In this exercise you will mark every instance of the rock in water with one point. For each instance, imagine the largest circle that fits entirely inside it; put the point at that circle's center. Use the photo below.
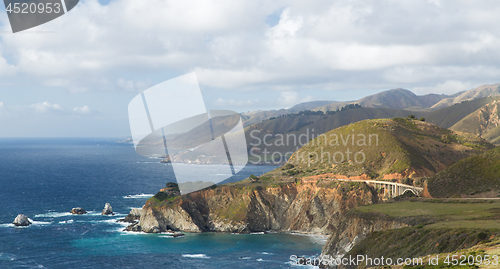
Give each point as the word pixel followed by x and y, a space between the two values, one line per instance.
pixel 21 220
pixel 133 216
pixel 108 210
pixel 78 211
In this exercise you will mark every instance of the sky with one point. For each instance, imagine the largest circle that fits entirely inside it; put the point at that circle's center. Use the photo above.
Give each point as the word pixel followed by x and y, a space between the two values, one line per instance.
pixel 74 76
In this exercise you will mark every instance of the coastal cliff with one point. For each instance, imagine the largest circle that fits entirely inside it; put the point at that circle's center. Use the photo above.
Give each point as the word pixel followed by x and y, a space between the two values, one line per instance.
pixel 292 207
pixel 353 229
pixel 316 207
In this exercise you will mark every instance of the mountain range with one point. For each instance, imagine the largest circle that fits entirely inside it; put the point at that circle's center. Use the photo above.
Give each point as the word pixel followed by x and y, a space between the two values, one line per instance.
pixel 467 111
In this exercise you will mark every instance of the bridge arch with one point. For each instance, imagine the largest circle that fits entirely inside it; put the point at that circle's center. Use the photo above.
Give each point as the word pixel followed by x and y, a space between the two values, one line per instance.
pixel 415 192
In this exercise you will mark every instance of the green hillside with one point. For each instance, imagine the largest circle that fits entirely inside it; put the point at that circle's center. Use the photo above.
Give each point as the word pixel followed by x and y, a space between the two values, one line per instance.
pixel 301 128
pixel 469 177
pixel 385 146
pixel 493 135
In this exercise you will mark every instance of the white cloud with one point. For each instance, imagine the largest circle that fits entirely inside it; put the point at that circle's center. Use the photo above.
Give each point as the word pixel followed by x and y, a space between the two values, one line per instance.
pixel 292 98
pixel 45 107
pixel 322 43
pixel 448 87
pixel 82 110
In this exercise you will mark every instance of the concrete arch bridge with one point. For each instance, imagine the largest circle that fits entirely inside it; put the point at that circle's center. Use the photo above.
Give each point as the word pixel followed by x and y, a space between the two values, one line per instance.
pixel 392 189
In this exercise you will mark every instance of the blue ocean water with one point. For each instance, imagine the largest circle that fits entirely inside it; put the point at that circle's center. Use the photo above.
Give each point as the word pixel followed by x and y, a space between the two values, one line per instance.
pixel 45 178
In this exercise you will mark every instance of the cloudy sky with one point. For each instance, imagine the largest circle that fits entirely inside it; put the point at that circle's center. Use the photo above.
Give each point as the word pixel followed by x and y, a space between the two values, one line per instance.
pixel 75 76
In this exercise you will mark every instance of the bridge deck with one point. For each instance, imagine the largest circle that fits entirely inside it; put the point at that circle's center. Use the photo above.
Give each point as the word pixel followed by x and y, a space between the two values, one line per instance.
pixel 395 189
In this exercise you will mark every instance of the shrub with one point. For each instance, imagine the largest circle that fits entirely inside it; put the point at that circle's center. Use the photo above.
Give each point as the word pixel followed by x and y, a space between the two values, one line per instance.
pixel 288 166
pixel 446 138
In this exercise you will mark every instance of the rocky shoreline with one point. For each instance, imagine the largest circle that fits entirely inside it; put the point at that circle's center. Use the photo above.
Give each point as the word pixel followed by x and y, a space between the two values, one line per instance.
pixel 305 208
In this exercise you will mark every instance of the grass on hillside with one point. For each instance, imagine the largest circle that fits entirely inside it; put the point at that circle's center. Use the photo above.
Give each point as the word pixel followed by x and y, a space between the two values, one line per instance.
pixel 303 128
pixel 448 225
pixel 387 146
pixel 453 213
pixel 493 136
pixel 471 176
pixel 414 242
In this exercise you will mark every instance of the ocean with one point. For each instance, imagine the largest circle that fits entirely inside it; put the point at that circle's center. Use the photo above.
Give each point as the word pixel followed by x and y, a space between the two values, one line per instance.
pixel 45 178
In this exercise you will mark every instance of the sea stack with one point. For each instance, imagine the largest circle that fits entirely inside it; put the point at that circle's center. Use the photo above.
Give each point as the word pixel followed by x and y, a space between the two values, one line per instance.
pixel 78 211
pixel 21 220
pixel 108 210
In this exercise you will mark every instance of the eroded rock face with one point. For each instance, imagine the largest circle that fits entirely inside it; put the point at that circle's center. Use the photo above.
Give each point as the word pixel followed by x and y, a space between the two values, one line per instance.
pixel 309 207
pixel 157 221
pixel 78 211
pixel 108 210
pixel 21 220
pixel 304 207
pixel 352 229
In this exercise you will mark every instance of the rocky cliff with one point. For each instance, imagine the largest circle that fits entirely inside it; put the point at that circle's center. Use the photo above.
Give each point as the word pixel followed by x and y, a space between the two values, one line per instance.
pixel 320 207
pixel 292 207
pixel 353 229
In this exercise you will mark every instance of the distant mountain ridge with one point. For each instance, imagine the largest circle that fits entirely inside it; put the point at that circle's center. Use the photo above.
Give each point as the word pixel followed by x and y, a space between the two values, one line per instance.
pixel 253 117
pixel 484 122
pixel 396 99
pixel 476 93
pixel 448 116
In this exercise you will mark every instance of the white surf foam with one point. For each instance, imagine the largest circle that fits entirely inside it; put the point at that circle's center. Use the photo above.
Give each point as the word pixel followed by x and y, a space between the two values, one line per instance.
pixel 315 238
pixel 166 236
pixel 34 222
pixel 139 196
pixel 116 214
pixel 258 233
pixel 196 256
pixel 92 213
pixel 53 215
pixel 125 232
pixel 114 222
